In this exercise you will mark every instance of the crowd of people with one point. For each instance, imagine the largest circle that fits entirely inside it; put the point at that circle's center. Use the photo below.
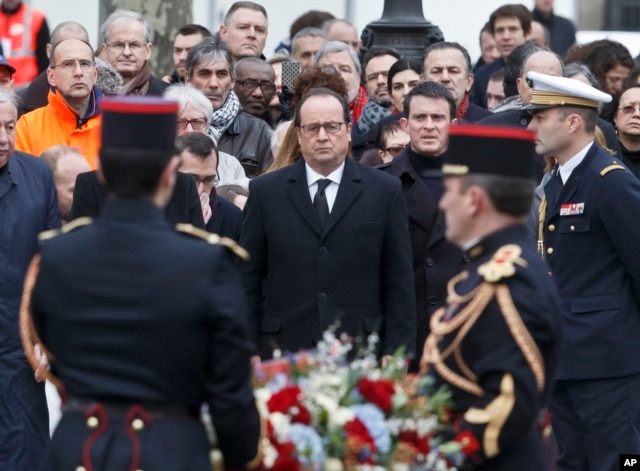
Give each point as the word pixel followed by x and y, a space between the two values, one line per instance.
pixel 171 233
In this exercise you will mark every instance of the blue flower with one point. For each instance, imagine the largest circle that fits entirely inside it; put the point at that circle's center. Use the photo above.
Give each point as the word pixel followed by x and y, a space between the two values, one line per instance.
pixel 373 419
pixel 308 444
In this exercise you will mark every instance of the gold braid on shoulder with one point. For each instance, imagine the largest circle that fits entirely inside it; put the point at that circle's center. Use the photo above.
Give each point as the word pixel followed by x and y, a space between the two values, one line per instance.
pixel 28 334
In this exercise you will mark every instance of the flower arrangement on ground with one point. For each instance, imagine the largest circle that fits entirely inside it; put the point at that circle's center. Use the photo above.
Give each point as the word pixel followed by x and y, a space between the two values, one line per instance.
pixel 327 413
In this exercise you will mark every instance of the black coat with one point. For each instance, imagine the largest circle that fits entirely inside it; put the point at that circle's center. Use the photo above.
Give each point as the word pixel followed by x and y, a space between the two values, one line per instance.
pixel 226 219
pixel 249 140
pixel 158 319
pixel 435 260
pixel 89 196
pixel 498 342
pixel 357 270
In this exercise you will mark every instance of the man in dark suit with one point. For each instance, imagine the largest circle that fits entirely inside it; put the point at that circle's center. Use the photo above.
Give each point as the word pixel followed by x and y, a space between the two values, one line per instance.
pixel 90 195
pixel 199 158
pixel 158 325
pixel 589 232
pixel 429 109
pixel 496 343
pixel 328 240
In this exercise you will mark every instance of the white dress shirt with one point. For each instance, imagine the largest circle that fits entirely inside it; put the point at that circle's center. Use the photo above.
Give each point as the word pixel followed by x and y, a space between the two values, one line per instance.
pixel 332 188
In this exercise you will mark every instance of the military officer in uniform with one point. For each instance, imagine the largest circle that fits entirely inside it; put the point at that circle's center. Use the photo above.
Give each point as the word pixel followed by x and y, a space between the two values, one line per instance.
pixel 588 233
pixel 143 323
pixel 495 343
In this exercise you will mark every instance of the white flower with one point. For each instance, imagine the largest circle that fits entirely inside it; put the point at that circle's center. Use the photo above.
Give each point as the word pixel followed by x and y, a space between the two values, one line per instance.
pixel 281 425
pixel 333 464
pixel 269 454
pixel 340 417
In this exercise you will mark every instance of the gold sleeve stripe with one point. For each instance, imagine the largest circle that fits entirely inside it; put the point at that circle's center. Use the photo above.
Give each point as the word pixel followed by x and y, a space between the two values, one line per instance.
pixel 542 215
pixel 608 169
pixel 494 415
pixel 521 335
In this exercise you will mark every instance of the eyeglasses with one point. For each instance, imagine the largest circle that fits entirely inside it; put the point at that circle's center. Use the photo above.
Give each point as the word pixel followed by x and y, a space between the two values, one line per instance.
pixel 393 150
pixel 329 128
pixel 629 109
pixel 251 85
pixel 208 182
pixel 196 123
pixel 70 65
pixel 118 46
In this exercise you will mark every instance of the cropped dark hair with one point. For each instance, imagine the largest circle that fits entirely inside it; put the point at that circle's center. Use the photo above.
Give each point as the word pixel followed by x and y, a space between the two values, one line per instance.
pixel 430 90
pixel 512 10
pixel 248 5
pixel 208 49
pixel 346 114
pixel 509 195
pixel 378 51
pixel 191 29
pixel 515 65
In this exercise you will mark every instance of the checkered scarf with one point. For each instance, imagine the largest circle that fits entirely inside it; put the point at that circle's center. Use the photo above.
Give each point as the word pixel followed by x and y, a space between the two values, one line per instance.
pixel 222 118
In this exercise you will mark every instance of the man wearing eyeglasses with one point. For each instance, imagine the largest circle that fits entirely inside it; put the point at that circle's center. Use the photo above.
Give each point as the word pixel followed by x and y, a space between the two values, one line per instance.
pixel 199 158
pixel 255 86
pixel 328 242
pixel 128 49
pixel 429 109
pixel 72 116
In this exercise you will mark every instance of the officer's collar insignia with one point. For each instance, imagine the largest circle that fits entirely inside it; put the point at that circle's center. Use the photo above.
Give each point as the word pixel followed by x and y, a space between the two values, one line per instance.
pixel 502 264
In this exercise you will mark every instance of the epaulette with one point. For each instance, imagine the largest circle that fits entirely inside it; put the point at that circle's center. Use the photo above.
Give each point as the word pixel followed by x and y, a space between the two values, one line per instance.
pixel 502 264
pixel 213 239
pixel 614 166
pixel 76 223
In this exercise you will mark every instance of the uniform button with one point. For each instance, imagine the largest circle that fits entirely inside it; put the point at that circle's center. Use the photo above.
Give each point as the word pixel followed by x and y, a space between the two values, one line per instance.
pixel 81 468
pixel 322 297
pixel 550 250
pixel 323 251
pixel 429 262
pixel 466 258
pixel 433 300
pixel 550 274
pixel 524 122
pixel 572 228
pixel 92 422
pixel 137 425
pixel 552 228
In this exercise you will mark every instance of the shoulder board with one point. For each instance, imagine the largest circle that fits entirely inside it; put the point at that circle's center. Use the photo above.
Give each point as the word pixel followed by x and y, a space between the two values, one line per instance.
pixel 76 223
pixel 614 166
pixel 213 239
pixel 502 264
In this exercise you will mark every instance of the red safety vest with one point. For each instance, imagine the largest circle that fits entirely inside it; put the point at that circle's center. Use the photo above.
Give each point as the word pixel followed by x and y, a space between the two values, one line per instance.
pixel 18 32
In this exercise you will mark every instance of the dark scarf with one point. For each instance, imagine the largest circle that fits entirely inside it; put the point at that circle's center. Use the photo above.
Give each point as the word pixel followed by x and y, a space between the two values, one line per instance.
pixel 371 115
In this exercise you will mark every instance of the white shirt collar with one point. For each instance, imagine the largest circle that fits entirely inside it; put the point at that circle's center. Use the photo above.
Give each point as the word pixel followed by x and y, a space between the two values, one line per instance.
pixel 313 176
pixel 568 167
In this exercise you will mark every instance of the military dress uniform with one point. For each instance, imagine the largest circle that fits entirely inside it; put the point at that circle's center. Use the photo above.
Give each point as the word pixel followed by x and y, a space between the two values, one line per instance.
pixel 144 324
pixel 588 232
pixel 495 343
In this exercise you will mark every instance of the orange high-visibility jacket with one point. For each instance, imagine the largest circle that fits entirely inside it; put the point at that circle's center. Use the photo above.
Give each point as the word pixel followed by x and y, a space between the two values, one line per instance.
pixel 57 123
pixel 21 29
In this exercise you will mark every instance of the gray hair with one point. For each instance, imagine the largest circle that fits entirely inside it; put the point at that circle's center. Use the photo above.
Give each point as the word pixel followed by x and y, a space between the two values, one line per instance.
pixel 575 68
pixel 309 31
pixel 337 46
pixel 7 96
pixel 186 95
pixel 209 49
pixel 125 15
pixel 109 81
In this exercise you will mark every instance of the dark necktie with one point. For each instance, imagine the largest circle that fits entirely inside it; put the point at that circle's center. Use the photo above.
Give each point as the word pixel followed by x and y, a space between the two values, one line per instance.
pixel 320 201
pixel 558 186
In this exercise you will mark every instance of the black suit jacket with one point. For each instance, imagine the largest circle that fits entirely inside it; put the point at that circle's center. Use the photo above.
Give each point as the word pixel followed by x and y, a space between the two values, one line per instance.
pixel 226 218
pixel 89 197
pixel 357 270
pixel 435 260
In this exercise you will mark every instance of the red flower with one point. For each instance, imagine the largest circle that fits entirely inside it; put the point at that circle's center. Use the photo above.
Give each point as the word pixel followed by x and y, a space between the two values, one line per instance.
pixel 419 443
pixel 356 429
pixel 284 399
pixel 468 441
pixel 286 463
pixel 287 401
pixel 379 392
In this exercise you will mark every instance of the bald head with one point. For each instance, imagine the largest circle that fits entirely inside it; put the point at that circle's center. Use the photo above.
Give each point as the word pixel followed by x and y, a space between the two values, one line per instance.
pixel 67 30
pixel 544 62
